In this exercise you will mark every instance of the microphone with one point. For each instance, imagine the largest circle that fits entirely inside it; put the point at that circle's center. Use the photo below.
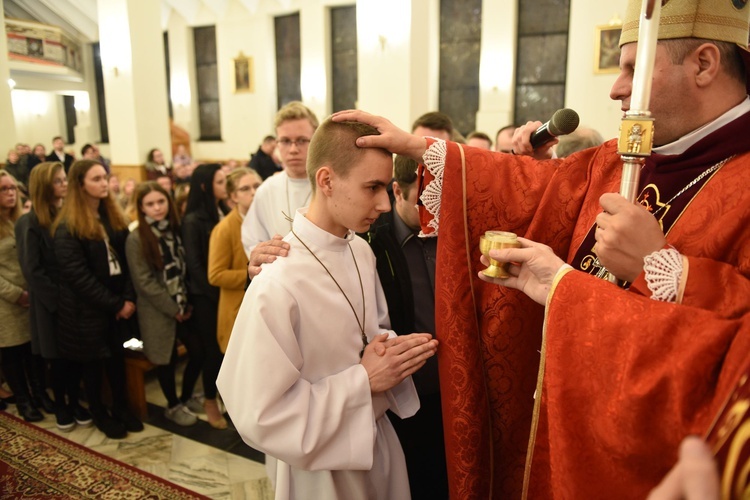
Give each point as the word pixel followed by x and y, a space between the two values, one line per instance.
pixel 563 121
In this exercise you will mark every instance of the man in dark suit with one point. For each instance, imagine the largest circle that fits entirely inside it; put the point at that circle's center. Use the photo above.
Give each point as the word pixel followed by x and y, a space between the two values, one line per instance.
pixel 262 161
pixel 406 267
pixel 59 154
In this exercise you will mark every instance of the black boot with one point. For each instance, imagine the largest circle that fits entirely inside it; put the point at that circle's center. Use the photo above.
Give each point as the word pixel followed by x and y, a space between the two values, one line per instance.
pixel 16 377
pixel 37 370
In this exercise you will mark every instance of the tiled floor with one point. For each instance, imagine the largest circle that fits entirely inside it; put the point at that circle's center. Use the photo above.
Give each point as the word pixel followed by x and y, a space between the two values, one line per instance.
pixel 195 465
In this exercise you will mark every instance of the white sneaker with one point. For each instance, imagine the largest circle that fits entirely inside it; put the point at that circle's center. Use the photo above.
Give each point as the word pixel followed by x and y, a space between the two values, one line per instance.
pixel 180 415
pixel 195 404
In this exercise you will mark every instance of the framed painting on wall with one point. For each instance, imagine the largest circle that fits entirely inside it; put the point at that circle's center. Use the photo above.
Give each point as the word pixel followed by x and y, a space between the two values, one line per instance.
pixel 607 49
pixel 244 80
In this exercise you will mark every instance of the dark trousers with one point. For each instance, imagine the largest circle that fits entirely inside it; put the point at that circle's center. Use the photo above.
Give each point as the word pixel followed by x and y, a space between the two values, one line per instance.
pixel 422 440
pixel 196 357
pixel 205 314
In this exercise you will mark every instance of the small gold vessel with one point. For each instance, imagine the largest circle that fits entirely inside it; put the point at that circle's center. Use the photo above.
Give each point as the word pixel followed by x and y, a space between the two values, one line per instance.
pixel 497 240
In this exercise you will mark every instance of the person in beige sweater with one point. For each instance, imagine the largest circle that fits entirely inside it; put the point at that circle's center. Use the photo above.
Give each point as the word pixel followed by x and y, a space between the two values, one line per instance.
pixel 227 260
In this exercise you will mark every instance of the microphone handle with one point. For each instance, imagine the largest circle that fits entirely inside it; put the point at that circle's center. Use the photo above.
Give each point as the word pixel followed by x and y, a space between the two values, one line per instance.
pixel 541 136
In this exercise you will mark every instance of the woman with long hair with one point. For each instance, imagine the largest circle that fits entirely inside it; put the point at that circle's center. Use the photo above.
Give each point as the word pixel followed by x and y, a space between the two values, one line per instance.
pixel 227 260
pixel 48 186
pixel 205 208
pixel 15 336
pixel 96 295
pixel 156 259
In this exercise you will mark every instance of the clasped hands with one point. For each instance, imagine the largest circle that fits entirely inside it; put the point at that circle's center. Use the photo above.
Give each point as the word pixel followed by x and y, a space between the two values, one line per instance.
pixel 625 234
pixel 388 361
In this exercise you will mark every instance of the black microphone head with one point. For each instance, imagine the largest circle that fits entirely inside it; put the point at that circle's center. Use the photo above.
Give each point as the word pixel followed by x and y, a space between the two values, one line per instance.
pixel 564 121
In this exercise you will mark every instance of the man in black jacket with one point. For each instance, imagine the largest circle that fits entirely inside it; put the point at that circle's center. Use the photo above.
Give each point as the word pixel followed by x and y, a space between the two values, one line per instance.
pixel 262 161
pixel 58 153
pixel 406 267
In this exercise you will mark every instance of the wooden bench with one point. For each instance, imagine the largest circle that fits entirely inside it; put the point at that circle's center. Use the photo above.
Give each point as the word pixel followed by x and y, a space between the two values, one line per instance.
pixel 136 367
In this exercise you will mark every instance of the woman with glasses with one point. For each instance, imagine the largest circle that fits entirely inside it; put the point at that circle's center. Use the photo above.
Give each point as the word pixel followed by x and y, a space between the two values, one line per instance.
pixel 227 261
pixel 96 295
pixel 48 186
pixel 15 334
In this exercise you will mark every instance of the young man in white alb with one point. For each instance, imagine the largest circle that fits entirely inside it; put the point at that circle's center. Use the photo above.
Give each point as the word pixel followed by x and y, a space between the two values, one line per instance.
pixel 280 195
pixel 312 365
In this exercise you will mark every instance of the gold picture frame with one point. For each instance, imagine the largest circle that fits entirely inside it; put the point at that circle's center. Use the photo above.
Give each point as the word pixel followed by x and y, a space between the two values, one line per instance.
pixel 607 49
pixel 244 77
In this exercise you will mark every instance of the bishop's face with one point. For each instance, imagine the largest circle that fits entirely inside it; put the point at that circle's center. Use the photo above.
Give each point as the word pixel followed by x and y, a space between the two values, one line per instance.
pixel 671 93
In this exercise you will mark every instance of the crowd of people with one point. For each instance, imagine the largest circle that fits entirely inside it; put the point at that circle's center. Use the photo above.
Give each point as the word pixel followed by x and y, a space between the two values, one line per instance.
pixel 336 302
pixel 88 263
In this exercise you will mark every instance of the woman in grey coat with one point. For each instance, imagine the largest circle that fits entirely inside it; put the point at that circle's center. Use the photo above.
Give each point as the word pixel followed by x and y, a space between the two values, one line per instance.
pixel 15 334
pixel 157 268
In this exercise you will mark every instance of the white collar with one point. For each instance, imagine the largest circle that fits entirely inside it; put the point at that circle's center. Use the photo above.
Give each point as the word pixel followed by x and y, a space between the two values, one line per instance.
pixel 312 234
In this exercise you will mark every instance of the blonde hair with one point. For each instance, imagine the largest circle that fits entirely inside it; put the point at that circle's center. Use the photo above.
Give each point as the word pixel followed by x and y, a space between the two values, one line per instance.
pixel 75 212
pixel 42 191
pixel 234 177
pixel 334 144
pixel 6 224
pixel 295 110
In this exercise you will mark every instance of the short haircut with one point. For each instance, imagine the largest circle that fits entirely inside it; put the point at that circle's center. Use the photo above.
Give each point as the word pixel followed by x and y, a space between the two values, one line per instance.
pixel 479 135
pixel 404 173
pixel 731 60
pixel 334 144
pixel 269 138
pixel 295 110
pixel 581 139
pixel 434 120
pixel 56 138
pixel 503 129
pixel 85 149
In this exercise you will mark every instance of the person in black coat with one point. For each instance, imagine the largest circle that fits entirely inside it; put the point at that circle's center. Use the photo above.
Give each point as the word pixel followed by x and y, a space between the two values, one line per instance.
pixel 97 299
pixel 48 185
pixel 205 207
pixel 262 161
pixel 406 268
pixel 58 154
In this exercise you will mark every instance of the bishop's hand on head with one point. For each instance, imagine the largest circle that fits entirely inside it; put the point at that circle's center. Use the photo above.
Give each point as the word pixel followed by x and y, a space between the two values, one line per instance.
pixel 391 137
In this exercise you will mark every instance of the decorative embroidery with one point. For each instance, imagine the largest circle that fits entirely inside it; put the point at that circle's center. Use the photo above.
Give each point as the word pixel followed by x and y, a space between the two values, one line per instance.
pixel 663 272
pixel 434 161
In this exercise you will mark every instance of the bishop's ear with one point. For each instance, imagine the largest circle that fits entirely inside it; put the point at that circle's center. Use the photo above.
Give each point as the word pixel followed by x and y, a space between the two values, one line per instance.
pixel 323 180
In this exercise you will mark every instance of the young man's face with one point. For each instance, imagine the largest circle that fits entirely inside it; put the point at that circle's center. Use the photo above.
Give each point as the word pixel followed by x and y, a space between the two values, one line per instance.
pixel 58 144
pixel 294 139
pixel 406 204
pixel 358 199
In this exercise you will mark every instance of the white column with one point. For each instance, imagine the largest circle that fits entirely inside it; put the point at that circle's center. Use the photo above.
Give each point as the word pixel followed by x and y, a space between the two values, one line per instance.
pixel 315 55
pixel 397 57
pixel 135 83
pixel 182 69
pixel 497 65
pixel 8 137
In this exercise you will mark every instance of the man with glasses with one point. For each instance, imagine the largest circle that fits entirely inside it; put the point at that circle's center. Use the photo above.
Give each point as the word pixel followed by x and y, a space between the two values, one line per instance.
pixel 279 197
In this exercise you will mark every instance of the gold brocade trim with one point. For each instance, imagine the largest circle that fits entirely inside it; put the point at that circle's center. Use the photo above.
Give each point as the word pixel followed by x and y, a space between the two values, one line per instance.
pixel 476 319
pixel 539 384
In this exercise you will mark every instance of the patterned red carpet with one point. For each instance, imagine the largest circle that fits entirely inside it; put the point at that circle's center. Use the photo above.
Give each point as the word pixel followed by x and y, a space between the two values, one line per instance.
pixel 35 463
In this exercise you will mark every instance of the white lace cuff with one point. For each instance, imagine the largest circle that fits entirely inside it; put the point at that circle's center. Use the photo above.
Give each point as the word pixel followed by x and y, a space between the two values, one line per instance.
pixel 664 270
pixel 434 161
